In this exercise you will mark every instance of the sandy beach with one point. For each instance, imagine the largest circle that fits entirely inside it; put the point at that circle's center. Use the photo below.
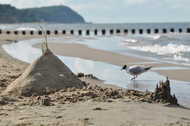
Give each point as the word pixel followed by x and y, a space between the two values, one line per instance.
pixel 84 63
pixel 86 114
pixel 119 112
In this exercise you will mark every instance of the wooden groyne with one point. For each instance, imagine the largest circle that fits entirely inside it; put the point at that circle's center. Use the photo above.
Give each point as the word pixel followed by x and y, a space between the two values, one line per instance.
pixel 103 30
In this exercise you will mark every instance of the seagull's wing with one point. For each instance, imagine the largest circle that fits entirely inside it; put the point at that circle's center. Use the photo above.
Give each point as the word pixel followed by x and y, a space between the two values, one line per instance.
pixel 135 70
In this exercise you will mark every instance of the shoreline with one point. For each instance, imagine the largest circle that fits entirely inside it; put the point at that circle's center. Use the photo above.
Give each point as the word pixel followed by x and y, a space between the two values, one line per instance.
pixel 84 52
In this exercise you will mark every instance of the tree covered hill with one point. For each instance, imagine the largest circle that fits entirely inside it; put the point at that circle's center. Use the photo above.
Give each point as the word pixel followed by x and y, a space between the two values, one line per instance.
pixel 52 14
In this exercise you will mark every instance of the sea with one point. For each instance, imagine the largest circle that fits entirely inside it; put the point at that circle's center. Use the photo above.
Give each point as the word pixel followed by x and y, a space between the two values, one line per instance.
pixel 171 47
pixel 164 48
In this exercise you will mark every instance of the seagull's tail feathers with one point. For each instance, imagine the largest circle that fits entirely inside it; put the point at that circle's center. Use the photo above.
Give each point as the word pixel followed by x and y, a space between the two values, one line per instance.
pixel 148 68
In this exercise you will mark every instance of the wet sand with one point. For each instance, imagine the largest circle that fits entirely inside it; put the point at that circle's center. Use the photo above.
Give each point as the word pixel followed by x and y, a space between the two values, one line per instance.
pixel 82 51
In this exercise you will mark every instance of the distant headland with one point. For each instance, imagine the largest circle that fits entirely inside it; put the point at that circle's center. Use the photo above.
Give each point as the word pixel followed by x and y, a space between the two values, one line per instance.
pixel 51 14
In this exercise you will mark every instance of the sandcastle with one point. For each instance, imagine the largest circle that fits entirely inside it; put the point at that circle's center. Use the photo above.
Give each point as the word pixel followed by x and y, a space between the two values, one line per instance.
pixel 47 74
pixel 163 93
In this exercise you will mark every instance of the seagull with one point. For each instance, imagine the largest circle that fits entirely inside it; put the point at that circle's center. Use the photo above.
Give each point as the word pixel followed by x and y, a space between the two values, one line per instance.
pixel 135 70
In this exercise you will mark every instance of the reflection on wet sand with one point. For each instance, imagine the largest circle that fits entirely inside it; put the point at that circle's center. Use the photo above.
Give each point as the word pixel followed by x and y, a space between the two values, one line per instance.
pixel 142 85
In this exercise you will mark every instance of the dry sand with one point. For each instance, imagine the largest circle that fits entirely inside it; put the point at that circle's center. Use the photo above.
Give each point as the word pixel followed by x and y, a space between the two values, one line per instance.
pixel 82 51
pixel 118 113
pixel 10 68
pixel 121 112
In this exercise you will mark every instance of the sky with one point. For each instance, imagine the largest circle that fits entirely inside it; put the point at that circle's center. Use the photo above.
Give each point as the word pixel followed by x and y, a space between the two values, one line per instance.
pixel 119 11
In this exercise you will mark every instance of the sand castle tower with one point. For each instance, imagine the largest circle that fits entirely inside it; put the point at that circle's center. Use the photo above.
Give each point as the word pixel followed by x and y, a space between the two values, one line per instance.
pixel 47 73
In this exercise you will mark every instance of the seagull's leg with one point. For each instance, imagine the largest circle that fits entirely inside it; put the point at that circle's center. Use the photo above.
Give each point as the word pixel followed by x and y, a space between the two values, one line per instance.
pixel 133 78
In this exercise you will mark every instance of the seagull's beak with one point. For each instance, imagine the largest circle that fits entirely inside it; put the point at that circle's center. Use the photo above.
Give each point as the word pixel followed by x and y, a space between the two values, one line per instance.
pixel 123 68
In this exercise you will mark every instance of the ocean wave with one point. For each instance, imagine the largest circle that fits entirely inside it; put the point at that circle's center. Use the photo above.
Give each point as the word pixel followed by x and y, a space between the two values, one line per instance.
pixel 26 29
pixel 162 50
pixel 163 37
pixel 180 58
pixel 154 37
pixel 130 40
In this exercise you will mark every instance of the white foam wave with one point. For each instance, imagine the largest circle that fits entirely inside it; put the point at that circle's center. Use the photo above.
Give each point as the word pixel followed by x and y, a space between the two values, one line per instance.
pixel 163 50
pixel 180 58
pixel 154 37
pixel 26 29
pixel 130 40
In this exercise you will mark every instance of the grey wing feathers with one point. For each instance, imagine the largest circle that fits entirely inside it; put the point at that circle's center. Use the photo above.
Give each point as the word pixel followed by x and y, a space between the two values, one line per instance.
pixel 148 68
pixel 136 70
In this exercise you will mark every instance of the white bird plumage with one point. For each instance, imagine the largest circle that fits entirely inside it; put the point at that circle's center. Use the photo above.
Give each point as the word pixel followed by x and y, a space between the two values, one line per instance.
pixel 136 70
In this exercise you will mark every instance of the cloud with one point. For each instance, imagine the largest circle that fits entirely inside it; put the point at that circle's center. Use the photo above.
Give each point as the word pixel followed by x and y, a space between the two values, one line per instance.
pixel 5 1
pixel 94 3
pixel 132 2
pixel 32 3
pixel 133 10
